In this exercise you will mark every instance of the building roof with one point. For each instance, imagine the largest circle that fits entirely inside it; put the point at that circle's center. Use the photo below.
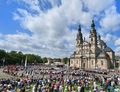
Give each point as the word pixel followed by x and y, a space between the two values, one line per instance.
pixel 108 49
pixel 98 51
pixel 102 42
pixel 102 54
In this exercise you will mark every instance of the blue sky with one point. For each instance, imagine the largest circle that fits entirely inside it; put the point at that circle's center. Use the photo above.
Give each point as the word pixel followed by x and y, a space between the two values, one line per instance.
pixel 49 27
pixel 8 25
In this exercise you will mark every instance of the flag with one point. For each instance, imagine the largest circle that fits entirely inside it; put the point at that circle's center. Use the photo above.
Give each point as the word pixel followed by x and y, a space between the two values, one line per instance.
pixel 26 62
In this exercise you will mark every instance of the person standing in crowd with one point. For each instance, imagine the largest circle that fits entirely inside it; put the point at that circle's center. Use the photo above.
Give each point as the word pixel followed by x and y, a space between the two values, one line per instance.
pixel 95 88
pixel 108 85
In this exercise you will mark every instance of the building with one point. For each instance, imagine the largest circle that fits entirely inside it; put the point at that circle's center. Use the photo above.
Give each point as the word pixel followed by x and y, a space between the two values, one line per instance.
pixel 58 61
pixel 117 64
pixel 93 53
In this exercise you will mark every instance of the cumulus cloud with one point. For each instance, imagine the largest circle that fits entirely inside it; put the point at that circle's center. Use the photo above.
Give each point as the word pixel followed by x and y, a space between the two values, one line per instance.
pixel 117 50
pixel 117 42
pixel 32 4
pixel 109 38
pixel 48 21
pixel 98 5
pixel 110 21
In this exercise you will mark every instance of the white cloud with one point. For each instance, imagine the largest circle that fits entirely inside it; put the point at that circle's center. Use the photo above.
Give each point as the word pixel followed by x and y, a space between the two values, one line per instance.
pixel 98 5
pixel 109 38
pixel 117 50
pixel 110 22
pixel 50 35
pixel 55 2
pixel 31 4
pixel 117 42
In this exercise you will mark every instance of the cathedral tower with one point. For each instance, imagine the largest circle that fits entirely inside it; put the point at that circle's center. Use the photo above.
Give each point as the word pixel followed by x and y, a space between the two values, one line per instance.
pixel 93 47
pixel 91 54
pixel 79 41
pixel 93 37
pixel 79 38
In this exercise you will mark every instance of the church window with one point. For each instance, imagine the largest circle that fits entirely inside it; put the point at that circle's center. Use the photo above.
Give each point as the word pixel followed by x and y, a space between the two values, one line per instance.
pixel 101 62
pixel 91 39
pixel 77 61
pixel 92 62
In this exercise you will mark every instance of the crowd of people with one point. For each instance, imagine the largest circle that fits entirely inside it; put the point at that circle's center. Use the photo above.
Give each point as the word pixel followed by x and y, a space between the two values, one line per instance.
pixel 42 78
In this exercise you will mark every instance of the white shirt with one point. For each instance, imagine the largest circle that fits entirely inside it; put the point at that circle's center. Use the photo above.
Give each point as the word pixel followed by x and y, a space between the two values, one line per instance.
pixel 79 88
pixel 33 89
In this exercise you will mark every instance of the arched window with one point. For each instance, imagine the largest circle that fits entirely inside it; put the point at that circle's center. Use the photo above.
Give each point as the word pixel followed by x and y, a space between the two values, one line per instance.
pixel 101 62
pixel 77 61
pixel 92 62
pixel 84 65
pixel 91 39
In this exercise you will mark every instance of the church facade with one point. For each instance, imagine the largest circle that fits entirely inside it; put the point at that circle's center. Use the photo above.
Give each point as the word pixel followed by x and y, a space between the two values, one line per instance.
pixel 93 53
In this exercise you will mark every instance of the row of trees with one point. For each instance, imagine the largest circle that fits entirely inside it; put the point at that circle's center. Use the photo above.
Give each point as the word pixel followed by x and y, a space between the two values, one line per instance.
pixel 14 57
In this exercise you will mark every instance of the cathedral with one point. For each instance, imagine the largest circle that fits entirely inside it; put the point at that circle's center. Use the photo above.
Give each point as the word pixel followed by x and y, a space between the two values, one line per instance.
pixel 92 54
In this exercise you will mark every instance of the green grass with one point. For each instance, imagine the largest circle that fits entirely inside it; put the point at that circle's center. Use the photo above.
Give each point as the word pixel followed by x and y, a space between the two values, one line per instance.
pixel 30 90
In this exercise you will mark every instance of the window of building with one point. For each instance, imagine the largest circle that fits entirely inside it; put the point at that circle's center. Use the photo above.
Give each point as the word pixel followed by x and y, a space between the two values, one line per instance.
pixel 91 39
pixel 101 62
pixel 77 61
pixel 92 62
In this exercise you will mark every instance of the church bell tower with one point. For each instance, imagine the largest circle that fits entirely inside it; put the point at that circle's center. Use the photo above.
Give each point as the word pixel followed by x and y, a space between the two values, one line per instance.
pixel 79 38
pixel 79 41
pixel 93 37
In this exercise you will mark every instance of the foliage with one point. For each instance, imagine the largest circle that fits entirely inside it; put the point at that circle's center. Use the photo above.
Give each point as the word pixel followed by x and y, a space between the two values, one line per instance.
pixel 15 57
pixel 66 60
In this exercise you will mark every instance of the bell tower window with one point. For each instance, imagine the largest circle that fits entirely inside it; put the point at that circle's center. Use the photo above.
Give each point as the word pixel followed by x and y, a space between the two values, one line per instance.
pixel 91 39
pixel 101 62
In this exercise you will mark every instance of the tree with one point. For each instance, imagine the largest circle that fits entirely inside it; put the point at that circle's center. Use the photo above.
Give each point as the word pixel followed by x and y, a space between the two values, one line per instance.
pixel 45 60
pixel 2 56
pixel 2 53
pixel 66 60
pixel 15 57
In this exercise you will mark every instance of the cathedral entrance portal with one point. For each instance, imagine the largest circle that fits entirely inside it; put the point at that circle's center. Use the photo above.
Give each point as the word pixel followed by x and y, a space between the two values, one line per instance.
pixel 84 63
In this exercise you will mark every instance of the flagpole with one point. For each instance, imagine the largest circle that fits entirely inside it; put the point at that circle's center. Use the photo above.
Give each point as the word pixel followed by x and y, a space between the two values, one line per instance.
pixel 25 63
pixel 3 61
pixel 21 62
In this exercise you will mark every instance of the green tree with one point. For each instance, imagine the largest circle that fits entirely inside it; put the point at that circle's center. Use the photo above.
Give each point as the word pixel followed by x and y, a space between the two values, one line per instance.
pixel 15 57
pixel 45 60
pixel 66 60
pixel 3 55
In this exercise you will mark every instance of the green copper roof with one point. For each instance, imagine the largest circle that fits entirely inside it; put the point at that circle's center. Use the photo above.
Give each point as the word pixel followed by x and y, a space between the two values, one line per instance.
pixel 92 25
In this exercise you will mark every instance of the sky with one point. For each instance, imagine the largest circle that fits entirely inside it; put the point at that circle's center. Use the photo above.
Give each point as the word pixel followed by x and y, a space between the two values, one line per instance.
pixel 49 27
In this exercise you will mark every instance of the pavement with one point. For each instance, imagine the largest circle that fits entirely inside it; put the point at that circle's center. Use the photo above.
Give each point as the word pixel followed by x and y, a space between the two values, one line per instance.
pixel 4 75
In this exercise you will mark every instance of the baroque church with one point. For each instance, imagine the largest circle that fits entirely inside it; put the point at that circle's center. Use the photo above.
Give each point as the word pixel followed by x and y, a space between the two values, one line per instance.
pixel 92 54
